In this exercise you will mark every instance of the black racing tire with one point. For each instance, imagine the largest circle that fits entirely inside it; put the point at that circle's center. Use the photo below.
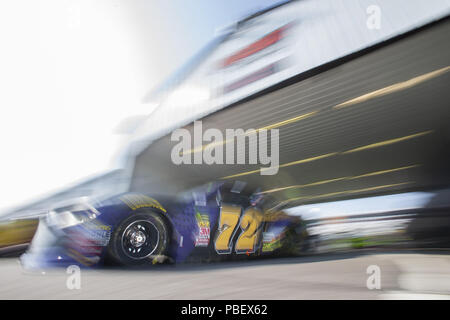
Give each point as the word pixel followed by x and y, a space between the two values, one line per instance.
pixel 139 238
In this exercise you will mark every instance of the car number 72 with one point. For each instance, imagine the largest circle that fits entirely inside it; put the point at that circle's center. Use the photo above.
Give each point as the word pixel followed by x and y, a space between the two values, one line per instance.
pixel 250 229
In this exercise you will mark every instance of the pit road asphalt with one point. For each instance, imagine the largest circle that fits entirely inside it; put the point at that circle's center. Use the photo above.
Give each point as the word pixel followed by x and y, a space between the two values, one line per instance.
pixel 327 276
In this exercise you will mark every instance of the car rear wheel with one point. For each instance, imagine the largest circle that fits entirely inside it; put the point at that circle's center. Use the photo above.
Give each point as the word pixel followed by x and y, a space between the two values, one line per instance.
pixel 139 239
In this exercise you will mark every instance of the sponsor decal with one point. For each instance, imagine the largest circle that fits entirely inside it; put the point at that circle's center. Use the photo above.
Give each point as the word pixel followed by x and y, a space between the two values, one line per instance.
pixel 262 73
pixel 85 242
pixel 257 46
pixel 137 201
pixel 203 233
pixel 270 242
pixel 247 61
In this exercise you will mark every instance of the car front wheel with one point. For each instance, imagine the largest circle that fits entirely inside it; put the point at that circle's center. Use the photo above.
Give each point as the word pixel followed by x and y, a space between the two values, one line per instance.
pixel 139 239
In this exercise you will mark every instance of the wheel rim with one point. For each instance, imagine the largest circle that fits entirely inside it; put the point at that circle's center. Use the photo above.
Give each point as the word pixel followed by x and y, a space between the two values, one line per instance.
pixel 140 239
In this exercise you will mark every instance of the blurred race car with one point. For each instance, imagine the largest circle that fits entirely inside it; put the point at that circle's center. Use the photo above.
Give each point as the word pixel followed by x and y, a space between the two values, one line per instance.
pixel 15 235
pixel 214 222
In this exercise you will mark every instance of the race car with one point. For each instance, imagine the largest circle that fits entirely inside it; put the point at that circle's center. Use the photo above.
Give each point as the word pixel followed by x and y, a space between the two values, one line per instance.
pixel 214 222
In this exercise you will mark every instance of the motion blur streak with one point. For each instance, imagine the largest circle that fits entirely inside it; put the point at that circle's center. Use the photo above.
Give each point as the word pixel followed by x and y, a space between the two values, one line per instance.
pixel 268 127
pixel 343 192
pixel 304 185
pixel 308 160
pixel 384 171
pixel 369 146
pixel 283 165
pixel 370 174
pixel 388 142
pixel 365 97
pixel 393 88
pixel 288 121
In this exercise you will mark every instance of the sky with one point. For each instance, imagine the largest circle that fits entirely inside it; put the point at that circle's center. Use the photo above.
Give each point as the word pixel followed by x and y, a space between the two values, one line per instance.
pixel 73 70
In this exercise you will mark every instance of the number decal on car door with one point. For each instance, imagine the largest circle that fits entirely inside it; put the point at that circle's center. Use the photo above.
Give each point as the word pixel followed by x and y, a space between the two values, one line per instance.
pixel 249 223
pixel 229 218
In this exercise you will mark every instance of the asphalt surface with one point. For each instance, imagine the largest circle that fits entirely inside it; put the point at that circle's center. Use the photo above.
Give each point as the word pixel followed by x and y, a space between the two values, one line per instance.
pixel 336 276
